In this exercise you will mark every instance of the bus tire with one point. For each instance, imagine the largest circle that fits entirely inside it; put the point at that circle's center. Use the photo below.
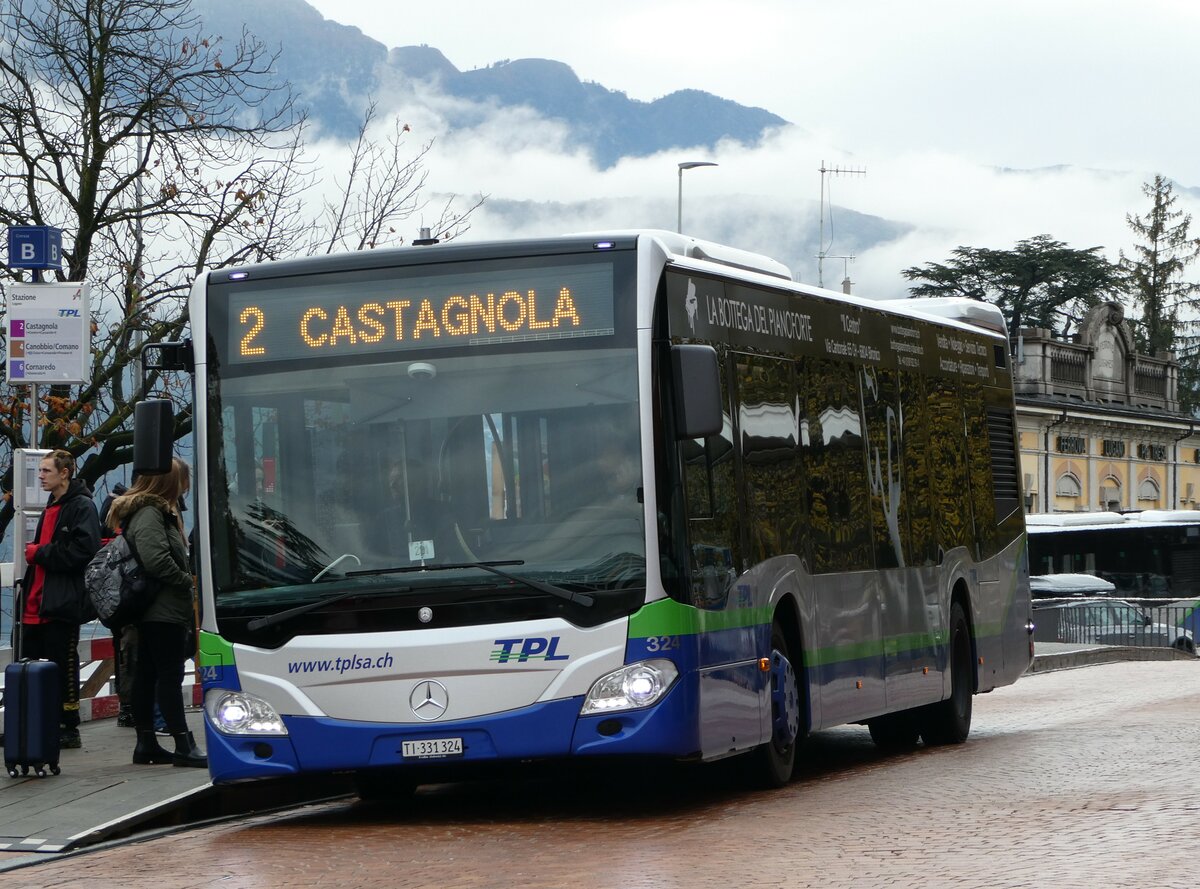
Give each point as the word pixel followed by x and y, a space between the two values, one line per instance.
pixel 949 721
pixel 772 763
pixel 895 731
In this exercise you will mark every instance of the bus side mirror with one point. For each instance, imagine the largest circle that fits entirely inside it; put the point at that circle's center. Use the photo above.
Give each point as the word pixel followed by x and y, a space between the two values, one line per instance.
pixel 697 379
pixel 153 436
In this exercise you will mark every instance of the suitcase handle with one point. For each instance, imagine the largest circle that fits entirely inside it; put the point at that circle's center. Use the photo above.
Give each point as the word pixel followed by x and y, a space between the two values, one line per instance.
pixel 18 614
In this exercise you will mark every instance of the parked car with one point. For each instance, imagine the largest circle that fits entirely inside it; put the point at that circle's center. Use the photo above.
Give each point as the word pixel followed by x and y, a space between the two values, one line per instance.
pixel 1058 586
pixel 1106 622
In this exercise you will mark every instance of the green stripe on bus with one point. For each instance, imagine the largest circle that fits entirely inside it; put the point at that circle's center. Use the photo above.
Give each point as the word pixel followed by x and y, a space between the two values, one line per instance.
pixel 666 617
pixel 215 651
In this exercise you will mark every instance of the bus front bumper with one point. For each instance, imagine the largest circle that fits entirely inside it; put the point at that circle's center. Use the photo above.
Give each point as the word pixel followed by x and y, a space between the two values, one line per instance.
pixel 542 731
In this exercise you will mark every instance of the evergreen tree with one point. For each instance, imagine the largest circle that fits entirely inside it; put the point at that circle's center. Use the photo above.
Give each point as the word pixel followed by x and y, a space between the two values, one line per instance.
pixel 1156 267
pixel 1041 282
pixel 1155 273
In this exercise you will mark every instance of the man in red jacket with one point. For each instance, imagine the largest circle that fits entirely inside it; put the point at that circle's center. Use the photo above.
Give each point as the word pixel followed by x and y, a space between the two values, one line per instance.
pixel 67 536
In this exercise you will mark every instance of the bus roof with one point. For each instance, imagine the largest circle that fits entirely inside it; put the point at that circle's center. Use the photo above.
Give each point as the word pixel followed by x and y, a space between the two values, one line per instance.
pixel 684 249
pixel 1041 523
pixel 1049 585
pixel 953 309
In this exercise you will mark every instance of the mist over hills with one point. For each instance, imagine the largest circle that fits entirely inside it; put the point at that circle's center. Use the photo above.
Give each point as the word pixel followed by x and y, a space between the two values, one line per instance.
pixel 335 70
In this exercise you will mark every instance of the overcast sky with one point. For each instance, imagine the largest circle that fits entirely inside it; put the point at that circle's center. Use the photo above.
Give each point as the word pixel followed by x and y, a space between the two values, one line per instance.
pixel 933 97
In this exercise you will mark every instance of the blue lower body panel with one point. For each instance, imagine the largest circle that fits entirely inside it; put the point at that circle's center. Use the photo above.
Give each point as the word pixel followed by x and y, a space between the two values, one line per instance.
pixel 542 731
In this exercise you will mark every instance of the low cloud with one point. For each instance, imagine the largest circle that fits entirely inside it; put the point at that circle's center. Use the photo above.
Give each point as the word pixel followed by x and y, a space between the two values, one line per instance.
pixel 908 209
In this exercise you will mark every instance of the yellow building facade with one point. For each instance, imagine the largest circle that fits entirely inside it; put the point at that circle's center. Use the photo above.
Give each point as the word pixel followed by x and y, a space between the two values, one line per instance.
pixel 1099 423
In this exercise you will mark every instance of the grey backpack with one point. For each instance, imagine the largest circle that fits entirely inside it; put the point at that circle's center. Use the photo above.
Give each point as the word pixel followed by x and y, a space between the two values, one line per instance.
pixel 117 584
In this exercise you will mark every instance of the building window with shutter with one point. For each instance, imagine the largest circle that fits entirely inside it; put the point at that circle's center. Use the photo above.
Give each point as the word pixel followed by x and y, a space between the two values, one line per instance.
pixel 1068 486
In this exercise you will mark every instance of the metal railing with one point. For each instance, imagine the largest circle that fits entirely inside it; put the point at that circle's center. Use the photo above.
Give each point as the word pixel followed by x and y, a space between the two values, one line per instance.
pixel 1168 623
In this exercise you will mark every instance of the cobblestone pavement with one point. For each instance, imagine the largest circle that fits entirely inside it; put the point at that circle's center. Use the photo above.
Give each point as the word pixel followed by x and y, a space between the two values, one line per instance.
pixel 1079 778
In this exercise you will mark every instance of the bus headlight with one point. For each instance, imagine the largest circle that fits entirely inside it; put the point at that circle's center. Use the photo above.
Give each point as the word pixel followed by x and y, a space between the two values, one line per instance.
pixel 240 713
pixel 631 687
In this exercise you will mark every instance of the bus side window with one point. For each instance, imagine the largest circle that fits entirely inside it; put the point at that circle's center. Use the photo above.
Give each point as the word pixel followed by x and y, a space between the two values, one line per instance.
pixel 948 458
pixel 711 495
pixel 979 458
pixel 880 397
pixel 697 471
pixel 767 431
pixel 838 490
pixel 917 532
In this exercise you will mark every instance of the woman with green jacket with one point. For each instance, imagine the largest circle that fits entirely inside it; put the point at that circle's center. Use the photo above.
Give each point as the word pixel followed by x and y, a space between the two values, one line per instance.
pixel 150 522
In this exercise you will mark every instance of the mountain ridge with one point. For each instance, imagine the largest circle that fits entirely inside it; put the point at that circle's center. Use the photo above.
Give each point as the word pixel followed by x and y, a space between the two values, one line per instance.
pixel 336 69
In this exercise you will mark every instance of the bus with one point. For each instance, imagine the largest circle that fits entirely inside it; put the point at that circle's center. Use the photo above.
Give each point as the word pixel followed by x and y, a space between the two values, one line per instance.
pixel 620 495
pixel 1154 553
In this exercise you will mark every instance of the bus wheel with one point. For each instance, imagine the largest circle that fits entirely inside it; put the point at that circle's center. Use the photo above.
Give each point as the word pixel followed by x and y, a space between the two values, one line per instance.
pixel 949 721
pixel 895 731
pixel 772 763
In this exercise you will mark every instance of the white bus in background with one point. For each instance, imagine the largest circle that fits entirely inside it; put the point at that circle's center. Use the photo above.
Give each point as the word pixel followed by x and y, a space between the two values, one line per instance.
pixel 1149 554
pixel 603 495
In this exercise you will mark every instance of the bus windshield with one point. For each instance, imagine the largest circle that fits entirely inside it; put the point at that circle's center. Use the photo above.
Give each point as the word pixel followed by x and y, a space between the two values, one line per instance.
pixel 529 458
pixel 520 457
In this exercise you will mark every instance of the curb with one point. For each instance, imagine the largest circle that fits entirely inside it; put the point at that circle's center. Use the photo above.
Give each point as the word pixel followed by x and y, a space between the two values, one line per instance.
pixel 1086 657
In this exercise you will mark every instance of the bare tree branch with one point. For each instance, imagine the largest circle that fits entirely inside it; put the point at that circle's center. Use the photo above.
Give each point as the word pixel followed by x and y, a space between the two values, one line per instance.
pixel 162 152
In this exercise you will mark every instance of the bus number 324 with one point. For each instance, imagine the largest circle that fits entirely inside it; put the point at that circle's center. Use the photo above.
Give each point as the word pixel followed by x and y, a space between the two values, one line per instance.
pixel 662 643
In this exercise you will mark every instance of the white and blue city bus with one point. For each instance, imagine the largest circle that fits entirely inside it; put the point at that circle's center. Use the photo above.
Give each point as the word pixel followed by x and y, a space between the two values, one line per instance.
pixel 631 494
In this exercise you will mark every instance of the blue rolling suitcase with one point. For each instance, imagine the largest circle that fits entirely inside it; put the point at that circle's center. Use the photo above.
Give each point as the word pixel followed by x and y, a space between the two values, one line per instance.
pixel 32 711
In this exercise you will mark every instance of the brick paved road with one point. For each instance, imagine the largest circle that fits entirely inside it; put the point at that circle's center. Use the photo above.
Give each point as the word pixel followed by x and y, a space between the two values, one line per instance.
pixel 1081 778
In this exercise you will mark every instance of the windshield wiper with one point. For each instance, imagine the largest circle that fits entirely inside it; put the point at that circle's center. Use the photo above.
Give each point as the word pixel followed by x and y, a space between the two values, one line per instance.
pixel 578 598
pixel 261 623
pixel 343 557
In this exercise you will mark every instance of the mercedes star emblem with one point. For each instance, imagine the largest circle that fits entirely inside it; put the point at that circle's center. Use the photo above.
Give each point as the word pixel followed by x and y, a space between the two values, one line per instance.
pixel 429 700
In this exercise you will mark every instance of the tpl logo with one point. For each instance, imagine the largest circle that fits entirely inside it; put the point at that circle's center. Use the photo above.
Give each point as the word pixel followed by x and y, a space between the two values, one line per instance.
pixel 68 313
pixel 534 648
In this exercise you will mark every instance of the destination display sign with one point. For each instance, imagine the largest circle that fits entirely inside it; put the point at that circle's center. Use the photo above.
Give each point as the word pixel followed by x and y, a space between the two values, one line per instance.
pixel 49 333
pixel 459 308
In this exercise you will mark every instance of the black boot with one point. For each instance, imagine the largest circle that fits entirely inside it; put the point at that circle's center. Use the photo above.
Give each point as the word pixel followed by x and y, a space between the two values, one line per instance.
pixel 187 753
pixel 148 751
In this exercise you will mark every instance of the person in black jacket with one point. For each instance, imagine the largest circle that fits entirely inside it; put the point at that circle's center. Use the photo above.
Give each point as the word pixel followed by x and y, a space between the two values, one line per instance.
pixel 52 594
pixel 150 520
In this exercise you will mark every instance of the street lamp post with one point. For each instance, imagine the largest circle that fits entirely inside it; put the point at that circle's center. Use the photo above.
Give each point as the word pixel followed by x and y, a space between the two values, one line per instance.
pixel 686 165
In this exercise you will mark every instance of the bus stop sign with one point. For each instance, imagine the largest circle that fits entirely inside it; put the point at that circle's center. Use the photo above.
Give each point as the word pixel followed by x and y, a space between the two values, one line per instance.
pixel 49 333
pixel 34 247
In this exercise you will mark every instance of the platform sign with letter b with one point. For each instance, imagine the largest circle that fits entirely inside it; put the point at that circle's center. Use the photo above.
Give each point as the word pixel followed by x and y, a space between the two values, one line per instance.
pixel 34 247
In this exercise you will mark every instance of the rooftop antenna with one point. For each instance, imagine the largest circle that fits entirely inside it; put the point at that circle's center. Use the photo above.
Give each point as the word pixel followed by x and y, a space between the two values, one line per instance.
pixel 822 250
pixel 846 260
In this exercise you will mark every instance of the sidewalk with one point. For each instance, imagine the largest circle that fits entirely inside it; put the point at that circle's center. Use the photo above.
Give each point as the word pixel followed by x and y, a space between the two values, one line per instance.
pixel 101 795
